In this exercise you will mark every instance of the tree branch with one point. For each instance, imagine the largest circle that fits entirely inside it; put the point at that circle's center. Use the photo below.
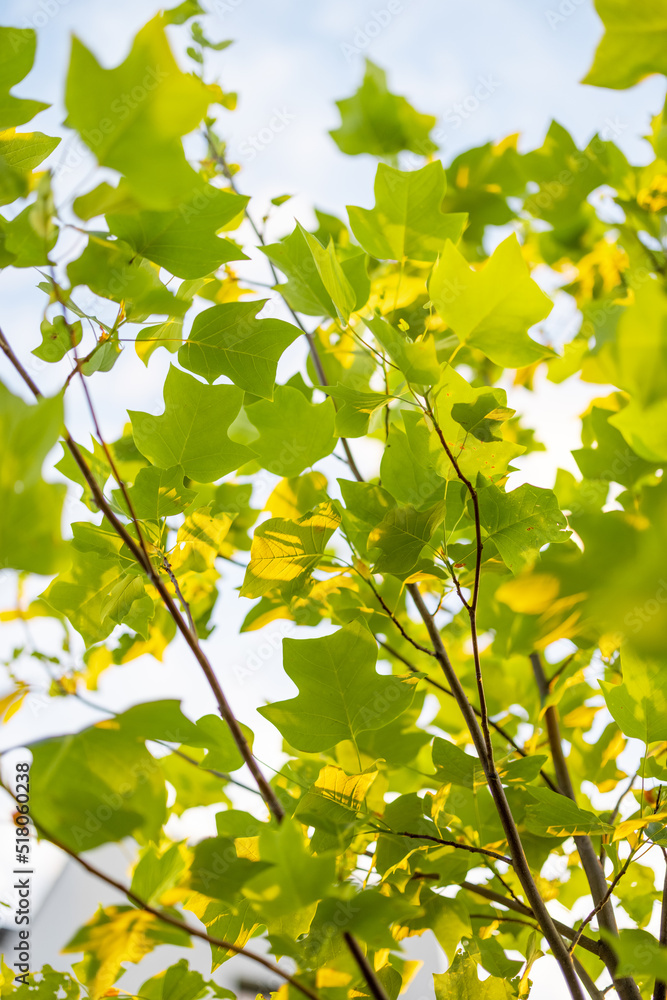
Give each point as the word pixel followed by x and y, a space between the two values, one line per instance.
pixel 520 863
pixel 627 989
pixel 367 971
pixel 660 989
pixel 456 843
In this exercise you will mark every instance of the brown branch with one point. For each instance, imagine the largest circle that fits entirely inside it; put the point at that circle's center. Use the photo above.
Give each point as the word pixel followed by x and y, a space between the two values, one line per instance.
pixel 519 860
pixel 390 614
pixel 268 794
pixel 600 906
pixel 626 988
pixel 455 843
pixel 660 989
pixel 367 971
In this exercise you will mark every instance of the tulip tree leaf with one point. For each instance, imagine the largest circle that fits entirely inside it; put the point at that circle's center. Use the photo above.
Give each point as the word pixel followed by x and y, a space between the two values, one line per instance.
pixel 293 433
pixel 184 241
pixel 30 537
pixel 97 786
pixel 304 290
pixel 634 44
pixel 381 123
pixel 402 535
pixel 521 521
pixel 192 431
pixel 554 815
pixel 639 704
pixel 112 270
pixel 493 308
pixel 132 117
pixel 17 54
pixel 230 340
pixel 417 360
pixel 157 493
pixel 461 982
pixel 340 693
pixel 284 553
pixel 407 221
pixel 115 935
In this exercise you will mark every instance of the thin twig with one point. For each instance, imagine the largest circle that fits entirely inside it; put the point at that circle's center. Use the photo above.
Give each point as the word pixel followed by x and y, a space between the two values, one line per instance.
pixel 367 971
pixel 457 844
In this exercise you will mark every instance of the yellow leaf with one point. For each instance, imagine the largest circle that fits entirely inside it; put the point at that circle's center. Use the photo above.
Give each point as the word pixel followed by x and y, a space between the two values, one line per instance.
pixel 636 823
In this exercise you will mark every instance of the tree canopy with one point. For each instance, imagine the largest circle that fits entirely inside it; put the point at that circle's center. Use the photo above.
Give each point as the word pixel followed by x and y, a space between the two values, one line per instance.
pixel 476 743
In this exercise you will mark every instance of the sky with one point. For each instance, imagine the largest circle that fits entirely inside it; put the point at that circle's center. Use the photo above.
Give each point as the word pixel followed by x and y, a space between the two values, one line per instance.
pixel 485 68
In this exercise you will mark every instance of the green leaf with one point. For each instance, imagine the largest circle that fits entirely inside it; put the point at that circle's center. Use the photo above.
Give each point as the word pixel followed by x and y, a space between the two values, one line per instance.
pixel 294 878
pixel 304 291
pixel 184 241
pixel 113 271
pixel 178 982
pixel 192 431
pixel 156 872
pixel 353 416
pixel 493 308
pixel 284 553
pixel 521 521
pixel 97 787
pixel 483 417
pixel 182 13
pixel 230 340
pixel 331 272
pixel 554 815
pixel 639 704
pixel 157 493
pixel 455 765
pixel 417 361
pixel 218 872
pixel 378 122
pixel 293 433
pixel 17 54
pixel 214 735
pixel 24 151
pixel 461 982
pixel 407 221
pixel 401 537
pixel 639 954
pixel 633 46
pixel 340 693
pixel 58 337
pixel 132 117
pixel 30 537
pixel 28 247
